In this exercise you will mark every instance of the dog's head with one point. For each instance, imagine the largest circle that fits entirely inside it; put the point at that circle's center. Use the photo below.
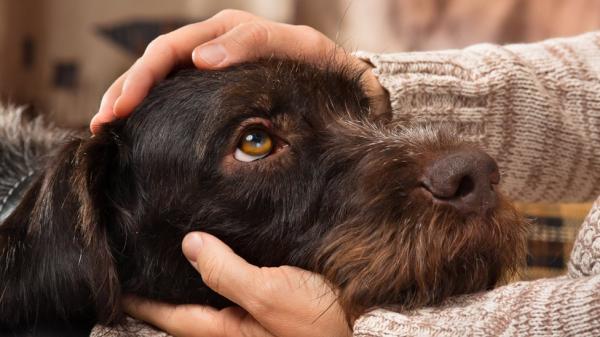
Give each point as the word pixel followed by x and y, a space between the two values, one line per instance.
pixel 288 164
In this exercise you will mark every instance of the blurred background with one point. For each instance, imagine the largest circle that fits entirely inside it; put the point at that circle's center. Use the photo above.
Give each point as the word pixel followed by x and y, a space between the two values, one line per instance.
pixel 58 56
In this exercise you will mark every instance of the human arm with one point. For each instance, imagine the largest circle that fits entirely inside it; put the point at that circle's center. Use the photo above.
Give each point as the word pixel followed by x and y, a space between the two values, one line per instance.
pixel 534 107
pixel 546 307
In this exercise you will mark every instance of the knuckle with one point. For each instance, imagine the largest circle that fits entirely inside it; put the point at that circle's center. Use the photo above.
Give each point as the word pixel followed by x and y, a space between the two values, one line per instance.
pixel 258 308
pixel 211 273
pixel 226 327
pixel 155 44
pixel 227 19
pixel 311 35
pixel 227 12
pixel 265 294
pixel 176 315
pixel 309 32
pixel 232 13
pixel 247 327
pixel 137 68
pixel 136 63
pixel 113 90
pixel 161 46
pixel 257 32
pixel 306 29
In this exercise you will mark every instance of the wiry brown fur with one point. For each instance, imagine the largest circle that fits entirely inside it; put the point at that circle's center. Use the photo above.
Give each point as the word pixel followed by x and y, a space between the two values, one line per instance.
pixel 408 253
pixel 342 196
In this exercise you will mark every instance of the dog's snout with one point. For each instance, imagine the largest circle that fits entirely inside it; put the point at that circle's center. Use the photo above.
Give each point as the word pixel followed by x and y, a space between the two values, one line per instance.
pixel 464 179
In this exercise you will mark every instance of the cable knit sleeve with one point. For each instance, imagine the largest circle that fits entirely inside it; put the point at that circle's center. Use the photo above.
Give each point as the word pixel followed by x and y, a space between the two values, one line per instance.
pixel 547 307
pixel 585 257
pixel 534 107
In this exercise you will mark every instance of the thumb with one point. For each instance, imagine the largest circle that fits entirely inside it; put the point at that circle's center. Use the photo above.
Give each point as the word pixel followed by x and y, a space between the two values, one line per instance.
pixel 257 39
pixel 221 269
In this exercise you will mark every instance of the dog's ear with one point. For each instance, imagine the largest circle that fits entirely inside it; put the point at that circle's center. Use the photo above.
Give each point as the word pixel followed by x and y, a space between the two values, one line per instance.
pixel 55 253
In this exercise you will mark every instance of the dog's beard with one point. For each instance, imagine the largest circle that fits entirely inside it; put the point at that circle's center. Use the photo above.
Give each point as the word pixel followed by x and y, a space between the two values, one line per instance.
pixel 427 256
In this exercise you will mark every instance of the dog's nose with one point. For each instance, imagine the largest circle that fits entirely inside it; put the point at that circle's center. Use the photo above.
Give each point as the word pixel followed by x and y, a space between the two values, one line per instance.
pixel 464 179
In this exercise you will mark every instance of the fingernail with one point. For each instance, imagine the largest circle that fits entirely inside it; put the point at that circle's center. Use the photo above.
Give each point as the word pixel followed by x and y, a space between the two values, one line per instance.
pixel 191 245
pixel 212 54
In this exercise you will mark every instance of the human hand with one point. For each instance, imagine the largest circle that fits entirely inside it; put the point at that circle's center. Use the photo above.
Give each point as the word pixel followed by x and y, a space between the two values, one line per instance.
pixel 282 301
pixel 230 37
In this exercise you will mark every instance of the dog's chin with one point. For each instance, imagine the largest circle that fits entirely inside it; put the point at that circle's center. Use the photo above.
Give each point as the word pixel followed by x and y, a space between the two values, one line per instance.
pixel 422 260
pixel 483 250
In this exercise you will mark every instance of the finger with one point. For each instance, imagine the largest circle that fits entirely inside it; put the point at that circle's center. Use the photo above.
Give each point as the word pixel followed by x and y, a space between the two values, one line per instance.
pixel 195 320
pixel 177 320
pixel 259 39
pixel 221 269
pixel 168 50
pixel 105 112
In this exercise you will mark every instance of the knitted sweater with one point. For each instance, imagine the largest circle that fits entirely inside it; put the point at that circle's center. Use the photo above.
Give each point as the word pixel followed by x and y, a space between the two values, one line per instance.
pixel 536 109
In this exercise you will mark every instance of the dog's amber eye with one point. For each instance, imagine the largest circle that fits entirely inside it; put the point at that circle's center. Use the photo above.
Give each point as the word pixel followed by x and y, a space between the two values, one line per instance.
pixel 254 145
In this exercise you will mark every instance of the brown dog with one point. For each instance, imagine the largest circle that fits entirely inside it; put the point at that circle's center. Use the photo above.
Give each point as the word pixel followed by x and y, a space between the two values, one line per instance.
pixel 284 162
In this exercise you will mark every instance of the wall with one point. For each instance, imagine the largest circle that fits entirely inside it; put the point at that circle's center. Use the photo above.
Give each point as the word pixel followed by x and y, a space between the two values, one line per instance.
pixel 65 31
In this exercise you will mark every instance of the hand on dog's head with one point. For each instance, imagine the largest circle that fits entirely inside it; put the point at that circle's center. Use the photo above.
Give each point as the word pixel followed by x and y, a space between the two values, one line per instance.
pixel 282 161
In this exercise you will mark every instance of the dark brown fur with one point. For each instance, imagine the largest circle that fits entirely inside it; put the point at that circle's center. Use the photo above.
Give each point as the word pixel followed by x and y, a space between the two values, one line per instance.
pixel 341 197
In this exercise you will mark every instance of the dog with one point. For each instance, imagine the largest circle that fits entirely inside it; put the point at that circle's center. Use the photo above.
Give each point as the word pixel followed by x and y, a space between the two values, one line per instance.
pixel 286 162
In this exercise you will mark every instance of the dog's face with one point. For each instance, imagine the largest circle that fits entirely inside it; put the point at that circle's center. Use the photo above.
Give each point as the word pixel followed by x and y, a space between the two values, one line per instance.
pixel 288 164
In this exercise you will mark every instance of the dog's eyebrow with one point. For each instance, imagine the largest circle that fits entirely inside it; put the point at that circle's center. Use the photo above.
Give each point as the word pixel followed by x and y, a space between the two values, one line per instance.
pixel 264 102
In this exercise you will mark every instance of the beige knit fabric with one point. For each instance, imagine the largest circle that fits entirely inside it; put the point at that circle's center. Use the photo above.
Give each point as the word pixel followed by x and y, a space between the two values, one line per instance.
pixel 536 109
pixel 585 256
